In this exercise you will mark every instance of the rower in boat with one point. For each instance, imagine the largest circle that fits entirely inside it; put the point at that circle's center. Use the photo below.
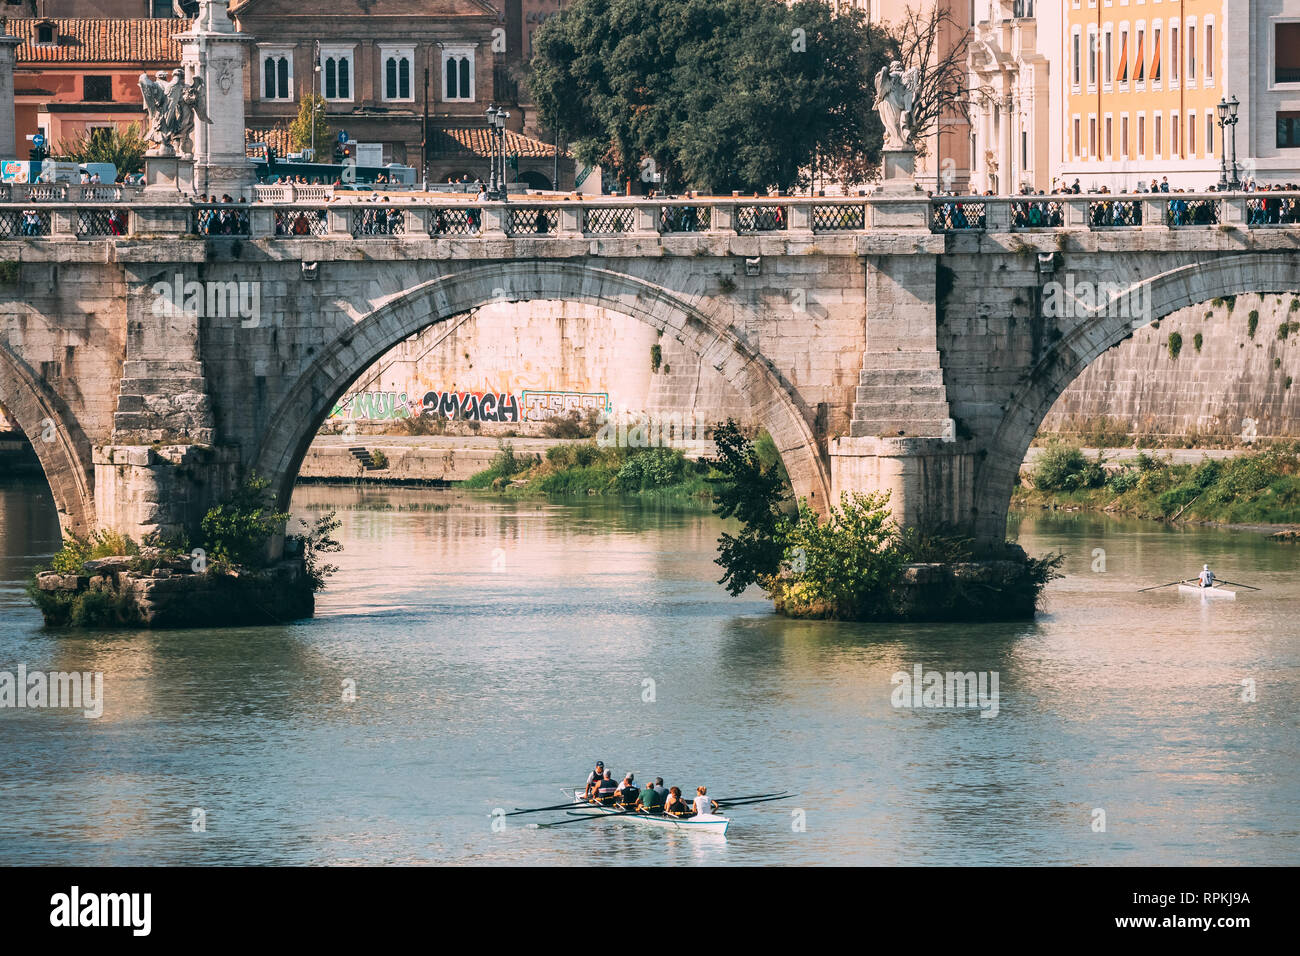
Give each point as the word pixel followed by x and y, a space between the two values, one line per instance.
pixel 594 778
pixel 1206 577
pixel 650 801
pixel 661 789
pixel 704 806
pixel 604 791
pixel 626 794
pixel 674 803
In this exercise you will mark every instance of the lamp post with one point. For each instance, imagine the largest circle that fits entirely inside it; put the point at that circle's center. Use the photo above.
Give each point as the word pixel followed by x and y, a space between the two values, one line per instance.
pixel 496 124
pixel 1235 182
pixel 1223 144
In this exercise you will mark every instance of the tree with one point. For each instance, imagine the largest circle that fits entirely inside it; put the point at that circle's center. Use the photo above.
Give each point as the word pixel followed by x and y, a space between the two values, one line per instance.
pixel 124 148
pixel 934 41
pixel 311 112
pixel 745 490
pixel 716 95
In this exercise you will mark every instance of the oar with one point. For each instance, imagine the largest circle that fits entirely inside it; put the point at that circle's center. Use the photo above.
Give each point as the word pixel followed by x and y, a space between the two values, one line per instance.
pixel 751 796
pixel 750 803
pixel 587 819
pixel 1157 587
pixel 558 806
pixel 734 801
pixel 1236 585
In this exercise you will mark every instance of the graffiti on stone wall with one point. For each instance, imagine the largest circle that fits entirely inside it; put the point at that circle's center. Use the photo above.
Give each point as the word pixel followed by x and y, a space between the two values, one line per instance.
pixel 540 405
pixel 375 406
pixel 472 406
pixel 531 405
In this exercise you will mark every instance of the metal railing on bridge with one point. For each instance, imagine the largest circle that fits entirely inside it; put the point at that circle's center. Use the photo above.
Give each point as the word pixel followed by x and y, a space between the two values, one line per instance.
pixel 91 213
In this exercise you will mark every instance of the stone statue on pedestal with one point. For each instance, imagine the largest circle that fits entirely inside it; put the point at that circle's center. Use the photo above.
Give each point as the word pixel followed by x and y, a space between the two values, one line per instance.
pixel 173 105
pixel 895 97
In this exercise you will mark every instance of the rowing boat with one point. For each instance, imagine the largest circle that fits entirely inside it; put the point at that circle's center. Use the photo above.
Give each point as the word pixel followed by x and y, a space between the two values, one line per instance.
pixel 700 823
pixel 1211 592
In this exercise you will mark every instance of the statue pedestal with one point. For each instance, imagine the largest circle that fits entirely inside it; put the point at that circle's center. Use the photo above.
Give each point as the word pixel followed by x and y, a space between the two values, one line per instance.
pixel 168 178
pixel 898 172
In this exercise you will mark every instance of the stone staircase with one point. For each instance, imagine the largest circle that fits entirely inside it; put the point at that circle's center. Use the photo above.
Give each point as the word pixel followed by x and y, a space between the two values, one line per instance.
pixel 365 457
pixel 900 395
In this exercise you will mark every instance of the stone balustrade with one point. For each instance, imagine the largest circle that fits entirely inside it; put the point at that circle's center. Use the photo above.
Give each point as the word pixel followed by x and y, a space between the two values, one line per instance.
pixel 40 211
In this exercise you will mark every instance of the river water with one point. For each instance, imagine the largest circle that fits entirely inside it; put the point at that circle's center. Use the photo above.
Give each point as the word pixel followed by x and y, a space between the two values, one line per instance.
pixel 499 648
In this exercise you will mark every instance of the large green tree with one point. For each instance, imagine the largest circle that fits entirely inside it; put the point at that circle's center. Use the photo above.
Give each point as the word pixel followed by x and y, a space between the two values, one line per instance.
pixel 718 94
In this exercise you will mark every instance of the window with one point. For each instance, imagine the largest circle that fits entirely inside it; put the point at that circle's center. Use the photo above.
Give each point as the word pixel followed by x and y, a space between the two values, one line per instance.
pixel 1024 149
pixel 336 72
pixel 1286 54
pixel 1156 141
pixel 1122 78
pixel 1092 135
pixel 1174 50
pixel 397 71
pixel 458 72
pixel 1155 54
pixel 1123 136
pixel 1209 50
pixel 46 35
pixel 1209 134
pixel 1142 136
pixel 1110 142
pixel 1092 57
pixel 97 89
pixel 1139 61
pixel 1173 135
pixel 161 8
pixel 277 73
pixel 1107 65
pixel 1191 134
pixel 1074 57
pixel 1078 145
pixel 1288 130
pixel 1191 52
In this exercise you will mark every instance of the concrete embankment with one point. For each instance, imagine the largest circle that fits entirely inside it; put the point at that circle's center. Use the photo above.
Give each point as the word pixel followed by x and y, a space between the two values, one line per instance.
pixel 420 459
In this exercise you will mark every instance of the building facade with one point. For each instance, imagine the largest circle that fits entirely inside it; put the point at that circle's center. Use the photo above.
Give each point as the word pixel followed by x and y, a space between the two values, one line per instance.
pixel 73 76
pixel 1117 92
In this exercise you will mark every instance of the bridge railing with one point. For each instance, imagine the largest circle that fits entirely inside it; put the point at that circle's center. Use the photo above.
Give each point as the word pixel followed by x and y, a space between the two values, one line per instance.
pixel 91 217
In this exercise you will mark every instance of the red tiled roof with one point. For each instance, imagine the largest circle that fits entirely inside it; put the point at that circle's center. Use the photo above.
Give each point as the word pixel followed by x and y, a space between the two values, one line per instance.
pixel 477 141
pixel 100 41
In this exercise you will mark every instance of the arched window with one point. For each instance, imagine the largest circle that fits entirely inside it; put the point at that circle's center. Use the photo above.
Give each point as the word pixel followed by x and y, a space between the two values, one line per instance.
pixel 390 78
pixel 336 72
pixel 277 74
pixel 458 71
pixel 404 79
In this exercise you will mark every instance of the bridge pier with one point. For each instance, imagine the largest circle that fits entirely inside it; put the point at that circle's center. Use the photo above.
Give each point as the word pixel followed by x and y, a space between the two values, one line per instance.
pixel 930 481
pixel 163 489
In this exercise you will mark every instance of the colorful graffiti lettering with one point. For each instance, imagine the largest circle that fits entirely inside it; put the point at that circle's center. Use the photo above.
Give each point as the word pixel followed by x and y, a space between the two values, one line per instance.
pixel 541 405
pixel 375 406
pixel 472 406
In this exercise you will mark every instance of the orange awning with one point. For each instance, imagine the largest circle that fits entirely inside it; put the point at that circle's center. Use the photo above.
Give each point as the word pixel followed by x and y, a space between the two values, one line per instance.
pixel 1121 76
pixel 1141 63
pixel 1155 62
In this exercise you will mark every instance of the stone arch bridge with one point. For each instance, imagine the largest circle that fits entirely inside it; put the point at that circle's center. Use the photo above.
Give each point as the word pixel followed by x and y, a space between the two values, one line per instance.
pixel 154 352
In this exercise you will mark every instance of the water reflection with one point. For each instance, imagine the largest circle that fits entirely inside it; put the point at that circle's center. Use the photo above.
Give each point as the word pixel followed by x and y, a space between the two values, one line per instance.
pixel 499 647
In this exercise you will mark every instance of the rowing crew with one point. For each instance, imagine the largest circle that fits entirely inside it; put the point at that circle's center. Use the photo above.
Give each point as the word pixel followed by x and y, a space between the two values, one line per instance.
pixel 653 798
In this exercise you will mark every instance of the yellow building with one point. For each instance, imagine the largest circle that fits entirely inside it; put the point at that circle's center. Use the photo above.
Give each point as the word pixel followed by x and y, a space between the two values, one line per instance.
pixel 1139 86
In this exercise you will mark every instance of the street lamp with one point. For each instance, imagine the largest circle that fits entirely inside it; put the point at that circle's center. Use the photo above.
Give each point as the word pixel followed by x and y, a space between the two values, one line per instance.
pixel 1227 110
pixel 496 124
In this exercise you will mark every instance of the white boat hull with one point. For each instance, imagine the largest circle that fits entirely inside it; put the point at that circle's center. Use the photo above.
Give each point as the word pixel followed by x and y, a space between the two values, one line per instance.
pixel 703 823
pixel 1214 593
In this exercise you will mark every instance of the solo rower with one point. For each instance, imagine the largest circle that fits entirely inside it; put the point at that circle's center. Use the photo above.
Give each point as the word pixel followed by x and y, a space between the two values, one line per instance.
pixel 1206 577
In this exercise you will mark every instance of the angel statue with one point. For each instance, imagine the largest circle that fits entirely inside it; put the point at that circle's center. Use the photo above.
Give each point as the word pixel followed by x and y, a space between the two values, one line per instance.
pixel 895 96
pixel 173 105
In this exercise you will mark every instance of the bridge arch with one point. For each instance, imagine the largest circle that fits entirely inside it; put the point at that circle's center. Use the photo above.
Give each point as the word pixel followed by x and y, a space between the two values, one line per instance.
pixel 62 448
pixel 1096 333
pixel 344 359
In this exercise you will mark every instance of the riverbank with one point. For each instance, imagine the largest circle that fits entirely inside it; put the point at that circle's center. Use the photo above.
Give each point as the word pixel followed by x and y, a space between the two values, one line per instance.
pixel 1257 491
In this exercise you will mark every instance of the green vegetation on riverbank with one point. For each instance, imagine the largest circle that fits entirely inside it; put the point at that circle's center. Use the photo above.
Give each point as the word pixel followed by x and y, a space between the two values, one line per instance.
pixel 1262 487
pixel 663 474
